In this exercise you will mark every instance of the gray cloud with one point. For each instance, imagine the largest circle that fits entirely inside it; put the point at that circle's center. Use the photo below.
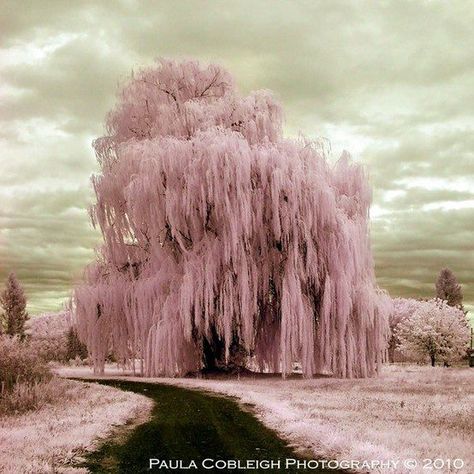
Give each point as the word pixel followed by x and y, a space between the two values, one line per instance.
pixel 389 81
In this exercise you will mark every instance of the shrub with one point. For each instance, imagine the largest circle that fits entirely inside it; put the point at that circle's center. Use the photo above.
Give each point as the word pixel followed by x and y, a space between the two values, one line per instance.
pixel 27 396
pixel 26 382
pixel 49 349
pixel 19 364
pixel 74 347
pixel 48 335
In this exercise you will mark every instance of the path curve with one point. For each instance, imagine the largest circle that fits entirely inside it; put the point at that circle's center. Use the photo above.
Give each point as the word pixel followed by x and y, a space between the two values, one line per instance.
pixel 190 426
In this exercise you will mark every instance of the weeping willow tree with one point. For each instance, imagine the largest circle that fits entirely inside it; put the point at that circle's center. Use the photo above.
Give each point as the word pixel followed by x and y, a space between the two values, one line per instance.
pixel 224 241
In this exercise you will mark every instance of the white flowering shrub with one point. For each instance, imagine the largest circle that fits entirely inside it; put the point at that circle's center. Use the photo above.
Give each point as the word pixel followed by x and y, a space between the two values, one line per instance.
pixel 435 331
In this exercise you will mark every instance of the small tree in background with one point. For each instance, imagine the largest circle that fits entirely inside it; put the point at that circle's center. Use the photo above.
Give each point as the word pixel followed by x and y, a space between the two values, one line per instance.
pixel 448 288
pixel 74 347
pixel 13 302
pixel 435 330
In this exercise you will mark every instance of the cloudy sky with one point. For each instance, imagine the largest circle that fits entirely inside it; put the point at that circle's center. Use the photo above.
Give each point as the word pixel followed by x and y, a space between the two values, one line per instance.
pixel 391 82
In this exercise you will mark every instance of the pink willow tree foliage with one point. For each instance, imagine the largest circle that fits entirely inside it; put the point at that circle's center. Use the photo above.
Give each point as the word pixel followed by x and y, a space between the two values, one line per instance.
pixel 220 236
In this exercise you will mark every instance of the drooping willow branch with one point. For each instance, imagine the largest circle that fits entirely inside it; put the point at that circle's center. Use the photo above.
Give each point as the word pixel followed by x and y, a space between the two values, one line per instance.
pixel 223 239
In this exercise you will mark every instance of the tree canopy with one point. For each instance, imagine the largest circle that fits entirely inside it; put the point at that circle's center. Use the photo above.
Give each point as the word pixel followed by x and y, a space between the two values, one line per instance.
pixel 448 288
pixel 222 237
pixel 436 331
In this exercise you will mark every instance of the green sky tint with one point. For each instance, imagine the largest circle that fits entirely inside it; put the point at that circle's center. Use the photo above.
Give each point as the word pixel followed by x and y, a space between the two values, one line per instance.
pixel 391 82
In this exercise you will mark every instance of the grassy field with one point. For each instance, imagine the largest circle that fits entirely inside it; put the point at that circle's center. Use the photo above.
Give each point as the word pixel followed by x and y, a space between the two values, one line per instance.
pixel 54 438
pixel 408 412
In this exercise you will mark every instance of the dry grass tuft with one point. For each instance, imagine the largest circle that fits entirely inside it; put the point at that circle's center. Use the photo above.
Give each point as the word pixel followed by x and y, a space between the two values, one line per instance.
pixel 26 396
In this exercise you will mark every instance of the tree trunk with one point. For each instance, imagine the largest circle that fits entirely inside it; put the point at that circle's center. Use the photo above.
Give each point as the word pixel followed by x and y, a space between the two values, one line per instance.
pixel 433 360
pixel 214 355
pixel 212 351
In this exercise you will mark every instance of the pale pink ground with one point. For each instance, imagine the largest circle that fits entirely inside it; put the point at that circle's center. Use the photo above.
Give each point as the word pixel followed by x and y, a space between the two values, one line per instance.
pixel 53 438
pixel 407 412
